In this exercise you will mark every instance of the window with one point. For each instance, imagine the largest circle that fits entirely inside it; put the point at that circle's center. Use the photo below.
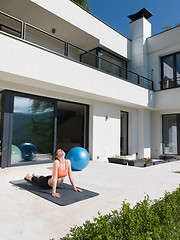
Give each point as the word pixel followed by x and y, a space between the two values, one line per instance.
pixel 170 71
pixel 171 133
pixel 124 133
pixel 33 130
pixel 0 127
pixel 0 106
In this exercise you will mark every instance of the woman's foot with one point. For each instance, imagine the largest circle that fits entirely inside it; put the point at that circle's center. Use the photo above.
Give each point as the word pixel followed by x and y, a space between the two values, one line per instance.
pixel 28 177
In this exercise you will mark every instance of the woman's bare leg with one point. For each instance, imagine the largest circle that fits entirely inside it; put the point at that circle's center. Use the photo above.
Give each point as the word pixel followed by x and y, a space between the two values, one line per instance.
pixel 34 175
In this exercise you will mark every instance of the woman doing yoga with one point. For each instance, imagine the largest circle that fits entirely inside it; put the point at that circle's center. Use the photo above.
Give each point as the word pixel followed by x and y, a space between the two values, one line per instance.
pixel 61 168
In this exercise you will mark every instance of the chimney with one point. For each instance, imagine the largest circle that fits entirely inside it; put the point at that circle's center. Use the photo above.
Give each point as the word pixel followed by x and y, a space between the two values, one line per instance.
pixel 140 30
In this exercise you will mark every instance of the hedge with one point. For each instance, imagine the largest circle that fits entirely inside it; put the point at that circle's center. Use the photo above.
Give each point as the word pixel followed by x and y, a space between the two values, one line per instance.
pixel 147 220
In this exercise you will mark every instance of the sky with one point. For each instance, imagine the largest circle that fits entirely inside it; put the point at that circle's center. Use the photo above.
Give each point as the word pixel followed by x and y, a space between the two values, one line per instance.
pixel 115 12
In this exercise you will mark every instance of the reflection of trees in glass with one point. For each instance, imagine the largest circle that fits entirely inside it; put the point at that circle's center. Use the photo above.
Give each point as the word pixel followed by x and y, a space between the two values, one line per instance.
pixel 41 125
pixel 0 105
pixel 41 106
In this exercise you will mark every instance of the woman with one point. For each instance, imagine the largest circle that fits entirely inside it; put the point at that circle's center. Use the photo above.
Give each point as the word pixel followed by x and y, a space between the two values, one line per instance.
pixel 61 168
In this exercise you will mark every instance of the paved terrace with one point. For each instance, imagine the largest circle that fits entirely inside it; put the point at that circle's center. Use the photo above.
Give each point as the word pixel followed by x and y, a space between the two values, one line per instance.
pixel 25 216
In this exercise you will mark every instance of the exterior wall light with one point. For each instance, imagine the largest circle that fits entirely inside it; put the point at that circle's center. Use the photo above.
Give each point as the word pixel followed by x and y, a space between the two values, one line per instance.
pixel 107 117
pixel 53 30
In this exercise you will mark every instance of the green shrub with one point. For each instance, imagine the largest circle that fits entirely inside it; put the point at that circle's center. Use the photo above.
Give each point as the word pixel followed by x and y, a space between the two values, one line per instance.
pixel 147 220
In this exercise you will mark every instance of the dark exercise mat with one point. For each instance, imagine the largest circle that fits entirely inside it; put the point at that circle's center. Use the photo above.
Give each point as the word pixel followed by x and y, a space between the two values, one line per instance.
pixel 68 195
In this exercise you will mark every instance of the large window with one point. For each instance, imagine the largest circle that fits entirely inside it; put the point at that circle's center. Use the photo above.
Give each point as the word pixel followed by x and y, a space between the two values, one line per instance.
pixel 170 71
pixel 34 126
pixel 33 130
pixel 171 133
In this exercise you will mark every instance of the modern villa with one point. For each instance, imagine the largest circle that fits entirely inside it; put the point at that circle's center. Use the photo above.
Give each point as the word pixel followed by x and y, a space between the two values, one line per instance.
pixel 67 79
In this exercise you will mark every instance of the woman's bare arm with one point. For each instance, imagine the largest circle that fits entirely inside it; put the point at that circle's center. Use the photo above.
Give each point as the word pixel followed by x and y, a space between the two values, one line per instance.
pixel 71 178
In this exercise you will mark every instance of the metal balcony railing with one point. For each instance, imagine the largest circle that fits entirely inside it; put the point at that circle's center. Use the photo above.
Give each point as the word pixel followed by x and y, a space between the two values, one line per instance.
pixel 49 42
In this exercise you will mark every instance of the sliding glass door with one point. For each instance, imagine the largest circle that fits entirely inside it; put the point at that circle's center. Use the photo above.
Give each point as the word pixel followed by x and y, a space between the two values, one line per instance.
pixel 34 126
pixel 33 130
pixel 72 122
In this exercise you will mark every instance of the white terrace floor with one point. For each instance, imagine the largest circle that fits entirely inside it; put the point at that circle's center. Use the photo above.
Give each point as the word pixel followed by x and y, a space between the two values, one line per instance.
pixel 25 216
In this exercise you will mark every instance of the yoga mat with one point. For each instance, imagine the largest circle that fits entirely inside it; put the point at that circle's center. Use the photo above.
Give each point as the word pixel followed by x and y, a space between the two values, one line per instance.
pixel 68 195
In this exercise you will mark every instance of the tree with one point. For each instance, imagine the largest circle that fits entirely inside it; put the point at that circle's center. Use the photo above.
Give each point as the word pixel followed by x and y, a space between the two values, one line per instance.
pixel 169 26
pixel 83 3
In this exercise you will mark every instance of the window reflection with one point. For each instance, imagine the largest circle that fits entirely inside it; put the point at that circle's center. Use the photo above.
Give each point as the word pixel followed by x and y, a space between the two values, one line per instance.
pixel 178 68
pixel 112 64
pixel 0 105
pixel 171 71
pixel 169 134
pixel 0 128
pixel 168 80
pixel 33 127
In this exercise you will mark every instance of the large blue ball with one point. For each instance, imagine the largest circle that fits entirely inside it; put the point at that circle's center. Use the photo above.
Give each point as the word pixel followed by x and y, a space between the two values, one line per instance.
pixel 79 158
pixel 28 151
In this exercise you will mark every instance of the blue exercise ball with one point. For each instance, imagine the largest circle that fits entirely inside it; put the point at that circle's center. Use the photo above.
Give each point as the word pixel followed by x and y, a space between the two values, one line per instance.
pixel 28 151
pixel 79 158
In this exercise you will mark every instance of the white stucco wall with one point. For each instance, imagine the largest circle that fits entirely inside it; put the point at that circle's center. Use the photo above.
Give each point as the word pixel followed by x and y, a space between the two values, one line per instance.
pixel 73 14
pixel 35 66
pixel 144 134
pixel 158 46
pixel 140 30
pixel 107 132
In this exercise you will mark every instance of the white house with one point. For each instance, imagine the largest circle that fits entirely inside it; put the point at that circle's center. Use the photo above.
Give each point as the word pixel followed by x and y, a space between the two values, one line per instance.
pixel 68 79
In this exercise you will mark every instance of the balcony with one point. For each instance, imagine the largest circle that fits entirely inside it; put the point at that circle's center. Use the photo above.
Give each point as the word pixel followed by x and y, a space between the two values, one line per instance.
pixel 53 44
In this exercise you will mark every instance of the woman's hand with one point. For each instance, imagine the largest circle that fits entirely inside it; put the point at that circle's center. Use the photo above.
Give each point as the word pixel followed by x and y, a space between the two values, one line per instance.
pixel 78 190
pixel 56 195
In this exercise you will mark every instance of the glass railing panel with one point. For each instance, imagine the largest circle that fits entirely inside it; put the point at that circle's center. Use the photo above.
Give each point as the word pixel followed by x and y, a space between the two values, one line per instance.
pixel 89 58
pixel 44 39
pixel 144 82
pixel 10 25
pixel 132 77
pixel 123 73
pixel 109 67
pixel 74 52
